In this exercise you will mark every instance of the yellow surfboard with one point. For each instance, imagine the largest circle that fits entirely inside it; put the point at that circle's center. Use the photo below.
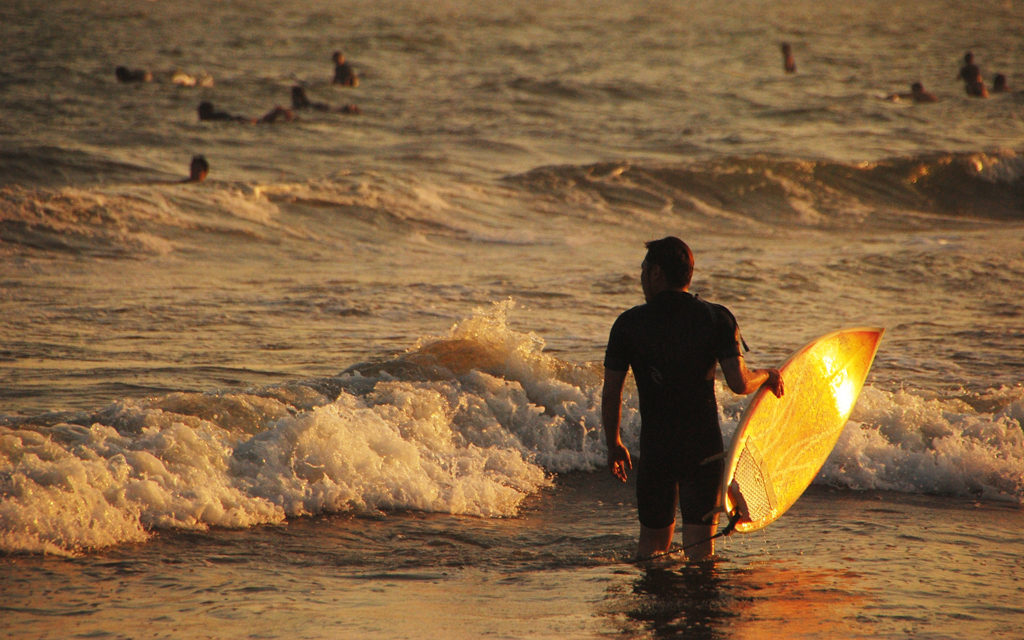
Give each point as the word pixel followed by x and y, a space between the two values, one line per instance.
pixel 781 443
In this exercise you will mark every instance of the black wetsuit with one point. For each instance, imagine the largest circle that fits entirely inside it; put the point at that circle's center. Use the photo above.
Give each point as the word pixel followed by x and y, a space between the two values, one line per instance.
pixel 673 344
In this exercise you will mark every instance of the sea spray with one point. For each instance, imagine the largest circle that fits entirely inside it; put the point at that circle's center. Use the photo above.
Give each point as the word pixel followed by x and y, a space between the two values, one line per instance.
pixel 470 423
pixel 467 424
pixel 900 441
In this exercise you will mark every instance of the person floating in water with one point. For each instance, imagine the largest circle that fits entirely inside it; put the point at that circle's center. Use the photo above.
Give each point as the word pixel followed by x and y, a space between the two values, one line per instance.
pixel 999 84
pixel 197 169
pixel 124 74
pixel 278 113
pixel 183 79
pixel 301 101
pixel 344 74
pixel 788 63
pixel 917 94
pixel 207 112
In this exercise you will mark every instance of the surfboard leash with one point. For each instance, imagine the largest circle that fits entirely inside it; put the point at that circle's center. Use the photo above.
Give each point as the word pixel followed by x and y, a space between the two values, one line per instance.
pixel 734 519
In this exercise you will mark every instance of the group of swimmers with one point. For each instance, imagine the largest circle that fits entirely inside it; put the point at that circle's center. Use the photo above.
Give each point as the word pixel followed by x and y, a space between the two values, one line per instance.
pixel 970 73
pixel 344 75
pixel 179 77
pixel 974 83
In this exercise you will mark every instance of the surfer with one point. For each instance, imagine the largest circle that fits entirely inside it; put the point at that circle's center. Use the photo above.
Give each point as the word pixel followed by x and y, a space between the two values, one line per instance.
pixel 673 343
pixel 301 101
pixel 788 63
pixel 197 169
pixel 124 74
pixel 344 74
pixel 207 112
pixel 183 79
pixel 970 71
pixel 917 94
pixel 976 87
pixel 275 114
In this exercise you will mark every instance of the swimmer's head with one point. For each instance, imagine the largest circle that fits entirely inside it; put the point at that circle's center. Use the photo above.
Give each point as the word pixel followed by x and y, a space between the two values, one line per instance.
pixel 338 57
pixel 198 169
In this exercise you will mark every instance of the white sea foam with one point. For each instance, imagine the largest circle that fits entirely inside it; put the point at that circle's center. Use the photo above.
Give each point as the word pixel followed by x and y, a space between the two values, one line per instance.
pixel 470 444
pixel 469 423
pixel 904 442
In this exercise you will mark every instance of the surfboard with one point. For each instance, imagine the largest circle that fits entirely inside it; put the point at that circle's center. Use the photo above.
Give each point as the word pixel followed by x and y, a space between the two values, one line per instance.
pixel 782 443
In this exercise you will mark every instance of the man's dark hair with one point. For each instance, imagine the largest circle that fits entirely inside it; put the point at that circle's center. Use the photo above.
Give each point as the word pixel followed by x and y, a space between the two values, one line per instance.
pixel 674 258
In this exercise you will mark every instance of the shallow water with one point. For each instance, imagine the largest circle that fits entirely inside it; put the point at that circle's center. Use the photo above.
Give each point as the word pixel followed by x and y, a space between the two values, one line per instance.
pixel 838 565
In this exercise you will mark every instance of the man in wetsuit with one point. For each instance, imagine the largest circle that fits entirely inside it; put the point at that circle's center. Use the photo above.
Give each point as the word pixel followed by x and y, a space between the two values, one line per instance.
pixel 673 343
pixel 344 74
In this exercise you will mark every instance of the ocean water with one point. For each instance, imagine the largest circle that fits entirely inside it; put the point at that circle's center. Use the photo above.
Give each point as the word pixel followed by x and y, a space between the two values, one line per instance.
pixel 348 385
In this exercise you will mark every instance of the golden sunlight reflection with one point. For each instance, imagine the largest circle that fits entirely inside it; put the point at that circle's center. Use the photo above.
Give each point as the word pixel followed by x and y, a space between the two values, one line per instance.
pixel 844 390
pixel 845 393
pixel 762 600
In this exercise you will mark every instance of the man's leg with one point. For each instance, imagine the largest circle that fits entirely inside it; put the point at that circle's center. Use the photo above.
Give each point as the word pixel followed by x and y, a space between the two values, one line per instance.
pixel 654 541
pixel 699 536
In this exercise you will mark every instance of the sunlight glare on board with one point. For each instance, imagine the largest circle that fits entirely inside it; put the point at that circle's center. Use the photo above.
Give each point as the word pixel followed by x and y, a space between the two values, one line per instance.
pixel 844 391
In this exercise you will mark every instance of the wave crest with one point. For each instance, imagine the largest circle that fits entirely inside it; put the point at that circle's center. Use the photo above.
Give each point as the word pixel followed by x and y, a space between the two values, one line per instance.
pixel 472 422
pixel 912 192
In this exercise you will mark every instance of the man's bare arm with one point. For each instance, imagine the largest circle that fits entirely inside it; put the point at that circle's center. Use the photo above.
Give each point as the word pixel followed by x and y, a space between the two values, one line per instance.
pixel 743 380
pixel 619 461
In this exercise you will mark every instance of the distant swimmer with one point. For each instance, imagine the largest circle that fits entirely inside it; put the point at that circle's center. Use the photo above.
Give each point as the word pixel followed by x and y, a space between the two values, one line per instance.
pixel 125 74
pixel 344 74
pixel 183 79
pixel 197 169
pixel 207 112
pixel 917 94
pixel 970 71
pixel 999 84
pixel 976 87
pixel 301 101
pixel 276 114
pixel 788 63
